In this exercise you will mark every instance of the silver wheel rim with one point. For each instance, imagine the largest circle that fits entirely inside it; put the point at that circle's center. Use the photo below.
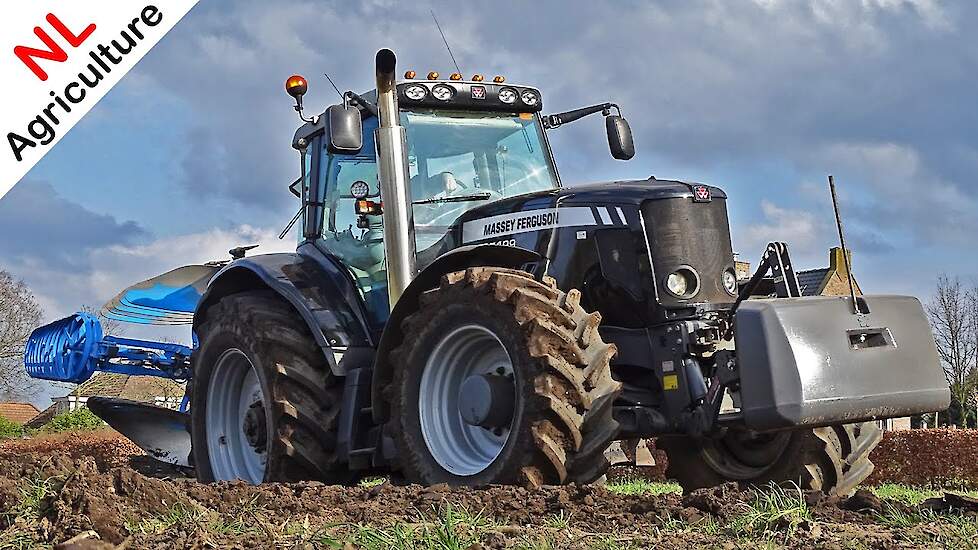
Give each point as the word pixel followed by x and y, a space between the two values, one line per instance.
pixel 232 390
pixel 458 447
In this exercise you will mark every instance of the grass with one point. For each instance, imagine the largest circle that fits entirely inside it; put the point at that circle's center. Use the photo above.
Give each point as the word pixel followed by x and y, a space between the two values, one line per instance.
pixel 454 528
pixel 33 494
pixel 776 508
pixel 639 486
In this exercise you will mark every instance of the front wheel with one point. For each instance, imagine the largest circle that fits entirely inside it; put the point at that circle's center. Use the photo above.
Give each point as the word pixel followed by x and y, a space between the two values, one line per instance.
pixel 502 379
pixel 831 459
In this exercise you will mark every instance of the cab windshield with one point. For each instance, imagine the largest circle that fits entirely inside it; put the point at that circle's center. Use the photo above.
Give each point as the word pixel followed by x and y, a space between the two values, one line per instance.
pixel 482 156
pixel 457 160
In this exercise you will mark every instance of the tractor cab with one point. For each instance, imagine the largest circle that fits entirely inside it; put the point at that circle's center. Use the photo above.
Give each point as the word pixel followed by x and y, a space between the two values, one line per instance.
pixel 468 143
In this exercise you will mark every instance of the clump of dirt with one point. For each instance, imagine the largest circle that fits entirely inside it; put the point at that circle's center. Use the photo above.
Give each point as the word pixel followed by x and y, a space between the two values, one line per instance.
pixel 107 447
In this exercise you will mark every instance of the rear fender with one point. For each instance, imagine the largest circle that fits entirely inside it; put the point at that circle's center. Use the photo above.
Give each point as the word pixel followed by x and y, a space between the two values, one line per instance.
pixel 455 260
pixel 319 289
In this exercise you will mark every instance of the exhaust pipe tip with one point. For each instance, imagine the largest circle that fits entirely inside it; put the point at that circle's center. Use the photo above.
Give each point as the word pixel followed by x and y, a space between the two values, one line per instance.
pixel 386 64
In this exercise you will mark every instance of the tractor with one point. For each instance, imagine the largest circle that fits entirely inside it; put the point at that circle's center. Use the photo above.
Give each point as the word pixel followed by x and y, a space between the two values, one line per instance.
pixel 454 314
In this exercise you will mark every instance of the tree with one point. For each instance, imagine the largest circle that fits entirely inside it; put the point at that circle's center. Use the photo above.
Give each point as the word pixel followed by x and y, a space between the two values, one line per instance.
pixel 19 314
pixel 953 313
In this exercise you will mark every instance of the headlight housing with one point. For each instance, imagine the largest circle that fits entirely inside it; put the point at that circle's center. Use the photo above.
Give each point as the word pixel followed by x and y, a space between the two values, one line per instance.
pixel 530 98
pixel 729 279
pixel 415 92
pixel 508 95
pixel 360 190
pixel 442 92
pixel 683 283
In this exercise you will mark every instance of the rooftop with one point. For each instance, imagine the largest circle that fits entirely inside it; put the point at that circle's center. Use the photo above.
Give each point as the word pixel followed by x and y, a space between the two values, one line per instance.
pixel 17 412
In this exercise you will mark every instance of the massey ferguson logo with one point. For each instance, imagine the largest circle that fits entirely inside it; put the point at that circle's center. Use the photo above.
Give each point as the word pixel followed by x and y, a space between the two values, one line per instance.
pixel 701 193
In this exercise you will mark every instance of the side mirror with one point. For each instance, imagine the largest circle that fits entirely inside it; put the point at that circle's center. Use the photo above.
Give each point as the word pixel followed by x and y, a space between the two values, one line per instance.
pixel 619 137
pixel 344 131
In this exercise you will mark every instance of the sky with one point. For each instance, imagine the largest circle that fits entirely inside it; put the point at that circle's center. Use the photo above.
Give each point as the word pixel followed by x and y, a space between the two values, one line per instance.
pixel 190 154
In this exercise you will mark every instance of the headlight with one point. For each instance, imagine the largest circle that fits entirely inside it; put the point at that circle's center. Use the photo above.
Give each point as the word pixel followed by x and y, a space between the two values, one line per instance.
pixel 415 92
pixel 530 97
pixel 360 189
pixel 442 92
pixel 682 283
pixel 729 282
pixel 507 95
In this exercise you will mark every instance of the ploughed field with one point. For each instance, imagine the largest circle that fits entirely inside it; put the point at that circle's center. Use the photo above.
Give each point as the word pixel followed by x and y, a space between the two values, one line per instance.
pixel 95 490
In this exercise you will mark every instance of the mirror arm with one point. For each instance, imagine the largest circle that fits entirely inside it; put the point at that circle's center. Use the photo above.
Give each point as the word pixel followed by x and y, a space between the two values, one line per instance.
pixel 355 99
pixel 556 120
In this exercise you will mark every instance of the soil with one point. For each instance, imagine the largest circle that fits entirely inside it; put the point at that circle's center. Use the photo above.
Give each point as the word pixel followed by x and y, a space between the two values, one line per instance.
pixel 101 495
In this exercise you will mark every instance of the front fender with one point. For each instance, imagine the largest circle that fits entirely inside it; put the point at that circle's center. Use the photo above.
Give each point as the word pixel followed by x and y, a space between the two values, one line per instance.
pixel 455 260
pixel 319 290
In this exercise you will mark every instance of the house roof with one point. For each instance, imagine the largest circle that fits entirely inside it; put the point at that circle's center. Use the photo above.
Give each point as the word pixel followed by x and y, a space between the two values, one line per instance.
pixel 43 417
pixel 137 388
pixel 17 412
pixel 810 280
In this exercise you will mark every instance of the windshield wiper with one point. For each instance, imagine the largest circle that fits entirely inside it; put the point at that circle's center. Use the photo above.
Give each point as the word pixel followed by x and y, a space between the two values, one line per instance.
pixel 464 198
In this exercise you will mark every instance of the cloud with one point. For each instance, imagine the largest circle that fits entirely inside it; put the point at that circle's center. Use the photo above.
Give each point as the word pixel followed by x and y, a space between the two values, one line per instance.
pixel 42 227
pixel 802 230
pixel 114 267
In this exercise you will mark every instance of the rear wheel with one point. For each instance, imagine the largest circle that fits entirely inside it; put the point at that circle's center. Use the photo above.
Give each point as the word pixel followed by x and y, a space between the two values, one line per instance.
pixel 264 402
pixel 502 379
pixel 832 459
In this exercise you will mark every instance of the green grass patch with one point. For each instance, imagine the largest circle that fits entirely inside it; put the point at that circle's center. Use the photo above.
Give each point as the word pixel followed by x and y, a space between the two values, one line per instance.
pixel 639 486
pixel 10 429
pixel 454 528
pixel 77 420
pixel 774 509
pixel 369 482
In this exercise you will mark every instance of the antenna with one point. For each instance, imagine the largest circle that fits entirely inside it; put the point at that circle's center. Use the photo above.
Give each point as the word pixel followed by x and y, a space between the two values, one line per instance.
pixel 845 251
pixel 445 40
pixel 334 87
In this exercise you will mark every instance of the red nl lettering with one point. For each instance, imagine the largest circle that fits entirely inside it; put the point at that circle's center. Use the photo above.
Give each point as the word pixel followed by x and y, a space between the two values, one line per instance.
pixel 54 51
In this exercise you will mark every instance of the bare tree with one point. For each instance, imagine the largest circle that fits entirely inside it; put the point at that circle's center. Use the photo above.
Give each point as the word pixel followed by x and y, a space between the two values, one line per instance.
pixel 953 313
pixel 19 314
pixel 110 326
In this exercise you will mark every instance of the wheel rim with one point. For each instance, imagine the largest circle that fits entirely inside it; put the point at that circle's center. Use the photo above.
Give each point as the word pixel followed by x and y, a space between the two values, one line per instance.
pixel 743 455
pixel 232 394
pixel 458 447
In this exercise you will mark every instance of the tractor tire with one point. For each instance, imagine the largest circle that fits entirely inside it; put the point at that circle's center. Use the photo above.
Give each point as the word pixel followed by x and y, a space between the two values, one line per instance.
pixel 254 341
pixel 532 338
pixel 832 459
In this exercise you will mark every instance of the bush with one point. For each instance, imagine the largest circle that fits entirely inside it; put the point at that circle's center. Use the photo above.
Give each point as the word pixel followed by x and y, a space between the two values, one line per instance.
pixel 10 429
pixel 77 420
pixel 934 457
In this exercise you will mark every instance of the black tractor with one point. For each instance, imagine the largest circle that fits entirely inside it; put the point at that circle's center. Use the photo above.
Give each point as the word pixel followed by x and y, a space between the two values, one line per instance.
pixel 453 313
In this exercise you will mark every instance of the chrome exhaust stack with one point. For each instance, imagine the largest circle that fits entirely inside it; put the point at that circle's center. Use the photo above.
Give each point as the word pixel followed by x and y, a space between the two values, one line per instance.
pixel 395 182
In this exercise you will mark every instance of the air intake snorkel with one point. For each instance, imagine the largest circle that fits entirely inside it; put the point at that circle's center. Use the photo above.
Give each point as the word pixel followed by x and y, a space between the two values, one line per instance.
pixel 395 184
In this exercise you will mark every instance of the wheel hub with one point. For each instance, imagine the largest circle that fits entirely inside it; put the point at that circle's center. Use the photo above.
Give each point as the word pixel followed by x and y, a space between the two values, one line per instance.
pixel 254 426
pixel 487 400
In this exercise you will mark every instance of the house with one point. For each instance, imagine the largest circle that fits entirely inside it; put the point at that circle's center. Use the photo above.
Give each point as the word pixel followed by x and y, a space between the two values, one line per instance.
pixel 18 413
pixel 147 389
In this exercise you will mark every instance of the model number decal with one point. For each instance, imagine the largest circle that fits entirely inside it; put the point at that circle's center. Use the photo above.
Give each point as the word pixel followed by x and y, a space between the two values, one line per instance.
pixel 523 222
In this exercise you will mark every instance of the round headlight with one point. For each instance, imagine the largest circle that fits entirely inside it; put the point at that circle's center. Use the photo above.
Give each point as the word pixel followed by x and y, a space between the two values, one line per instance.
pixel 442 92
pixel 682 283
pixel 360 190
pixel 415 92
pixel 729 279
pixel 530 97
pixel 507 95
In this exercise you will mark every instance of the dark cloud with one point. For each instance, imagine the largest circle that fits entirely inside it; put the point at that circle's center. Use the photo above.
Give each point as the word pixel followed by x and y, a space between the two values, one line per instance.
pixel 43 229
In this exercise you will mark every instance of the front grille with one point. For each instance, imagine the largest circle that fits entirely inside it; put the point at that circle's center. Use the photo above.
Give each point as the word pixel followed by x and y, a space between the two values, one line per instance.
pixel 681 232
